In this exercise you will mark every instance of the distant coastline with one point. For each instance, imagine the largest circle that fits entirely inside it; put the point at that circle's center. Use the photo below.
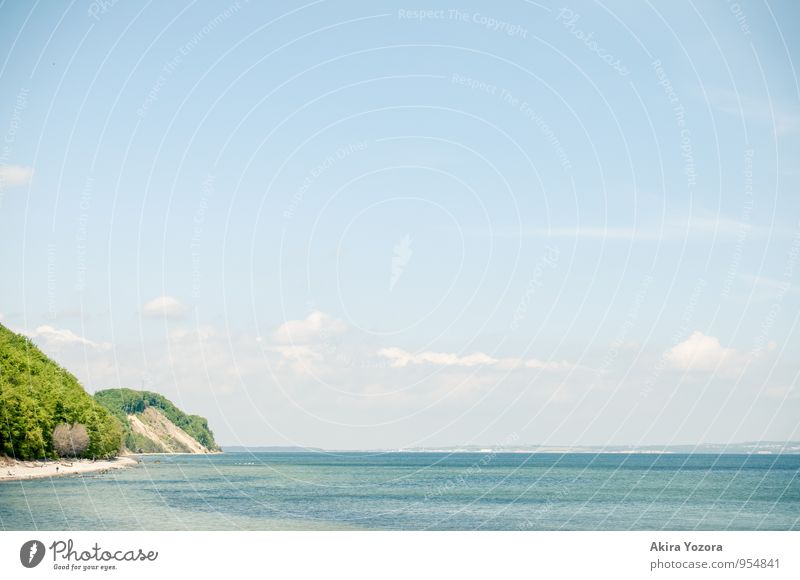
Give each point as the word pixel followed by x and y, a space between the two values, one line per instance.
pixel 271 449
pixel 742 448
pixel 170 453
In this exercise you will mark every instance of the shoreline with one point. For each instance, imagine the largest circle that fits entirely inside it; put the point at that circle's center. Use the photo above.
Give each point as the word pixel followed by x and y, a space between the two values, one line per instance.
pixel 15 470
pixel 131 454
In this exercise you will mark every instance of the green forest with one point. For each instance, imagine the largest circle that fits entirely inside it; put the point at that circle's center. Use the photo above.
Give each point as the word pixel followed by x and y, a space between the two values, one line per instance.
pixel 39 398
pixel 124 402
pixel 36 395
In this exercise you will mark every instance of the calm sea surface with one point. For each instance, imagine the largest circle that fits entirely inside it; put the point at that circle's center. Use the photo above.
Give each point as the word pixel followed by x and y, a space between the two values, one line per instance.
pixel 418 491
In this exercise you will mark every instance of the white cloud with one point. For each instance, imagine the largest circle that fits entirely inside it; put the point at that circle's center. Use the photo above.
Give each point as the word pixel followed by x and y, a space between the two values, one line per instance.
pixel 302 360
pixel 316 326
pixel 599 233
pixel 204 358
pixel 701 225
pixel 400 358
pixel 165 307
pixel 306 347
pixel 15 175
pixel 772 113
pixel 297 352
pixel 59 337
pixel 702 352
pixel 789 393
pixel 764 288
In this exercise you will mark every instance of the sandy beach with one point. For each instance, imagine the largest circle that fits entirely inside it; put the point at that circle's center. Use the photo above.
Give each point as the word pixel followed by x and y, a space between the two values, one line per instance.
pixel 13 470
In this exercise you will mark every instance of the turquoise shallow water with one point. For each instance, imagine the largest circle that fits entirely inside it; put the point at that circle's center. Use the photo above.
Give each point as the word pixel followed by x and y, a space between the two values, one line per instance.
pixel 418 491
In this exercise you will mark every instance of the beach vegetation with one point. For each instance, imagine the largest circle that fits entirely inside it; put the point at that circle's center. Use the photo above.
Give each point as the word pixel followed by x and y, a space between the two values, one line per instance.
pixel 36 395
pixel 70 440
pixel 124 402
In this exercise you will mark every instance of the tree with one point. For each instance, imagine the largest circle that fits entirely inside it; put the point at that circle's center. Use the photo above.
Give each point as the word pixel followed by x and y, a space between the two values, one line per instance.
pixel 36 395
pixel 70 441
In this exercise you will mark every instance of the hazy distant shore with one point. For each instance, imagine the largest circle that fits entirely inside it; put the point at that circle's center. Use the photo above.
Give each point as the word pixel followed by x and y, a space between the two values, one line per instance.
pixel 739 448
pixel 147 454
pixel 14 470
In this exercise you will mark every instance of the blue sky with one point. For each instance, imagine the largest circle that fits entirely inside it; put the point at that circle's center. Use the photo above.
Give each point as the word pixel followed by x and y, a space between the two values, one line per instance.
pixel 386 225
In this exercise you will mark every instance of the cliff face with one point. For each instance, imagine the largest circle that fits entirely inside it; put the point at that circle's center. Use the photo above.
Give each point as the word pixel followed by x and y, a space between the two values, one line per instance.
pixel 152 424
pixel 163 433
pixel 37 396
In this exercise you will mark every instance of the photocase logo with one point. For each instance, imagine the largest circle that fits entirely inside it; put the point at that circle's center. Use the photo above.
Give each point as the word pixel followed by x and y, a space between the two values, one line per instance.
pixel 31 553
pixel 402 255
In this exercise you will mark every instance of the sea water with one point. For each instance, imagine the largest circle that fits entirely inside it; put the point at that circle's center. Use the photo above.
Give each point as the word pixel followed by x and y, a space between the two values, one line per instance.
pixel 417 491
